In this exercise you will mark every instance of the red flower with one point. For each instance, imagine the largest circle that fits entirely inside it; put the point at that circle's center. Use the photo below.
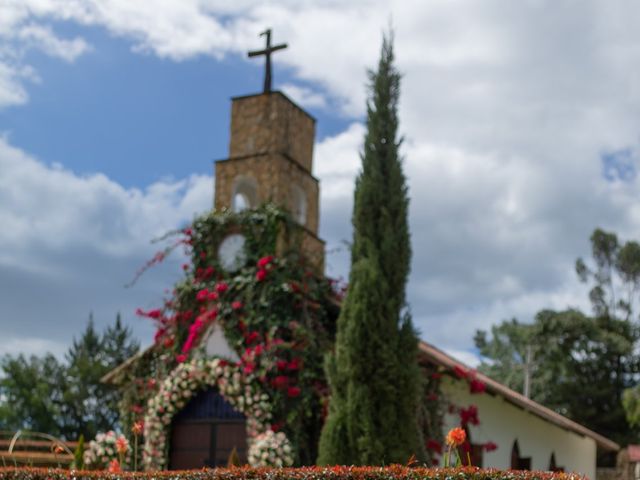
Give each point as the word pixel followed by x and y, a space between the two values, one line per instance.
pixel 155 314
pixel 469 415
pixel 460 372
pixel 276 427
pixel 251 337
pixel 114 466
pixel 181 358
pixel 281 365
pixel 185 266
pixel 280 381
pixel 137 409
pixel 434 445
pixel 264 261
pixel 212 296
pixel 293 392
pixel 222 287
pixel 476 386
pixel 249 368
pixel 490 447
pixel 202 295
pixel 168 342
pixel 261 275
pixel 188 231
pixel 236 305
pixel 159 334
pixel 436 376
pixel 294 364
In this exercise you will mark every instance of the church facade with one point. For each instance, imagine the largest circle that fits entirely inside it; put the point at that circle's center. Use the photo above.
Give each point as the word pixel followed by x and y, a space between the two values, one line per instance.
pixel 201 414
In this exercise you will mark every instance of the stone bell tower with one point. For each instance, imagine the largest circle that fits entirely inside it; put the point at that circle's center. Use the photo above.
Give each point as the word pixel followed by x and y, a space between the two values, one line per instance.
pixel 270 160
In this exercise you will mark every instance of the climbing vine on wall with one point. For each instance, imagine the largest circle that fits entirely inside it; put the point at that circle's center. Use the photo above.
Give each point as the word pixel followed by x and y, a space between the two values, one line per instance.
pixel 276 311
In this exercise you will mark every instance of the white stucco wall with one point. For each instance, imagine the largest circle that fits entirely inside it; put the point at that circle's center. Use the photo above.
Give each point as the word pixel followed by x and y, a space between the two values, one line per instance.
pixel 502 423
pixel 215 344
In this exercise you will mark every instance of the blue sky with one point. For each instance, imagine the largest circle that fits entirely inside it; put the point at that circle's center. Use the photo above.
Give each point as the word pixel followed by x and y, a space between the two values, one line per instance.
pixel 521 137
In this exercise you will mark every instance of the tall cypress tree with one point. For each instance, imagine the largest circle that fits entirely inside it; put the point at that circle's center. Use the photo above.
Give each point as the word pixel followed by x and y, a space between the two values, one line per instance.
pixel 373 373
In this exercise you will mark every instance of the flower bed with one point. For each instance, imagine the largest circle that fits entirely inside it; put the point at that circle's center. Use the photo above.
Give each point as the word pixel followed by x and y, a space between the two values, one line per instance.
pixel 394 472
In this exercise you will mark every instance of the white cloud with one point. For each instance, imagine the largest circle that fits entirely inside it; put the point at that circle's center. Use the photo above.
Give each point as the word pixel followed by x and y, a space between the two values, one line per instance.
pixel 304 96
pixel 43 38
pixel 70 243
pixel 506 107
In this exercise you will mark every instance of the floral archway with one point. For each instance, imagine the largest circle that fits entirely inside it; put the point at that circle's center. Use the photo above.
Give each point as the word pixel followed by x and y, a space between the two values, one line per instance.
pixel 240 389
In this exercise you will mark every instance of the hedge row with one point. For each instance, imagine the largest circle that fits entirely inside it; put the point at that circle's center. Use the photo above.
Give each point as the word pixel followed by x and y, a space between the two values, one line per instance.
pixel 395 472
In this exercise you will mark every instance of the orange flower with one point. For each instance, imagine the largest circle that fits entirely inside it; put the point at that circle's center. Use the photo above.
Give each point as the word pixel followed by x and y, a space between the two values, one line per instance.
pixel 137 428
pixel 456 437
pixel 114 466
pixel 58 449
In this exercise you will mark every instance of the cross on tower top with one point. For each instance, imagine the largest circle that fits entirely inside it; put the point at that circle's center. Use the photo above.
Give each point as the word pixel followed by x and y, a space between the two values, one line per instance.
pixel 267 53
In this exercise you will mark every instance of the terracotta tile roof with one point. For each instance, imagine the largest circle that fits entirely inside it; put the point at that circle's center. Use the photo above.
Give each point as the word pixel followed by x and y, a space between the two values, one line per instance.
pixel 439 357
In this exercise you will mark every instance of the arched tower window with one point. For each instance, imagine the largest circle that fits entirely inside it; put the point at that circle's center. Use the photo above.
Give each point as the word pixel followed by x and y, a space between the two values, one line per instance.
pixel 299 204
pixel 244 194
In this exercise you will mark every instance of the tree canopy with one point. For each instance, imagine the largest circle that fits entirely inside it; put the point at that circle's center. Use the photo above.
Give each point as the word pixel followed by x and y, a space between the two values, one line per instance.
pixel 66 398
pixel 581 364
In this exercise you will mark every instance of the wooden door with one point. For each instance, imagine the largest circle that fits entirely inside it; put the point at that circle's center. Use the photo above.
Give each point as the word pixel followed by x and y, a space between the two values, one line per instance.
pixel 205 432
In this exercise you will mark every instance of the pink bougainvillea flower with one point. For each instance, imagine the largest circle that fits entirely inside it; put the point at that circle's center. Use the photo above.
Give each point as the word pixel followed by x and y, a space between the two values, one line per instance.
pixel 181 358
pixel 261 275
pixel 460 372
pixel 202 295
pixel 249 368
pixel 252 337
pixel 490 446
pixel 237 305
pixel 293 392
pixel 188 232
pixel 264 261
pixel 476 386
pixel 281 365
pixel 294 364
pixel 222 287
pixel 469 415
pixel 280 381
pixel 213 296
pixel 434 445
pixel 276 427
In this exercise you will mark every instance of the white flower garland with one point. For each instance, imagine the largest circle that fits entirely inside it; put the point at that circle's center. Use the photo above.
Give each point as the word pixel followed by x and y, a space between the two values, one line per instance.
pixel 239 389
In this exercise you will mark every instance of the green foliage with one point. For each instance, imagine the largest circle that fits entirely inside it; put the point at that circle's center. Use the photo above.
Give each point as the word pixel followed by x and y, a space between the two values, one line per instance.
pixel 287 315
pixel 78 454
pixel 65 399
pixel 373 373
pixel 582 364
pixel 395 472
pixel 31 396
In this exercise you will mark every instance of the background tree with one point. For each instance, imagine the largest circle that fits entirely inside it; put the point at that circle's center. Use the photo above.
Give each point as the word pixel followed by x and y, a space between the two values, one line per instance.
pixel 373 373
pixel 66 399
pixel 574 352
